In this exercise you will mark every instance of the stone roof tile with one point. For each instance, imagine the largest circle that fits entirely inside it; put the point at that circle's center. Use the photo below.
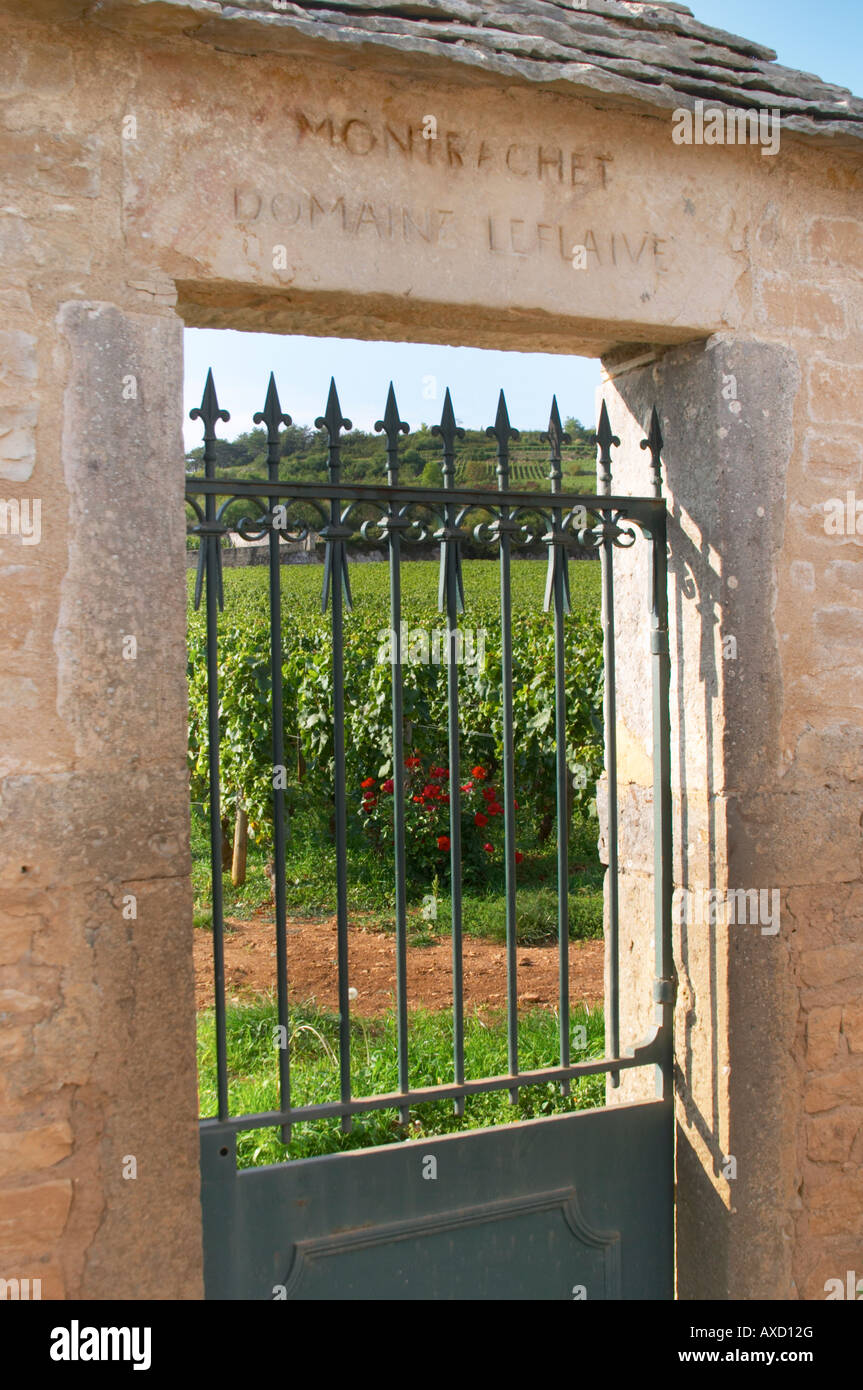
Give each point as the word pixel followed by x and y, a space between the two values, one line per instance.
pixel 639 52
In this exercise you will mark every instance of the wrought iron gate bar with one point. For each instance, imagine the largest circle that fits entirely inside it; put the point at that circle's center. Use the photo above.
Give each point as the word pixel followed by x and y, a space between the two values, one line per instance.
pixel 606 439
pixel 393 426
pixel 568 524
pixel 210 413
pixel 422 1095
pixel 639 509
pixel 273 418
pixel 451 600
pixel 502 431
pixel 557 591
pixel 337 589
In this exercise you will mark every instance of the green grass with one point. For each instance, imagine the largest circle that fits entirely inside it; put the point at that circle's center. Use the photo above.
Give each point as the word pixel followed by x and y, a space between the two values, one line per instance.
pixel 536 916
pixel 311 887
pixel 253 1073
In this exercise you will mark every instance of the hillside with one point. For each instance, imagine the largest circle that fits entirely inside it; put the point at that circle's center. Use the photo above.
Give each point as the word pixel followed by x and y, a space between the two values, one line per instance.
pixel 304 458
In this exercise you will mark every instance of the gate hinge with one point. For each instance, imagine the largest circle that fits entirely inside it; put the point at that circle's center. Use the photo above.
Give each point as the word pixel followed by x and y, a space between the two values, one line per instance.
pixel 663 991
pixel 659 641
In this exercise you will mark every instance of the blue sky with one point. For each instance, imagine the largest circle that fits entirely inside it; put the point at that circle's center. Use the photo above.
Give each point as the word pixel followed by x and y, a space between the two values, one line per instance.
pixel 824 37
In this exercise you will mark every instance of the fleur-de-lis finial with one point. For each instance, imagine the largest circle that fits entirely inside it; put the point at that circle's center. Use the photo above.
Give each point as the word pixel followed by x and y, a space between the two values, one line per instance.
pixel 272 417
pixel 392 427
pixel 605 439
pixel 555 436
pixel 209 412
pixel 654 443
pixel 335 557
pixel 448 432
pixel 332 421
pixel 503 432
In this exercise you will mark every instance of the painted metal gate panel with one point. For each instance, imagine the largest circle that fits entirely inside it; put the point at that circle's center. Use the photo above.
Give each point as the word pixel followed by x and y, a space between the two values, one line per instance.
pixel 574 1205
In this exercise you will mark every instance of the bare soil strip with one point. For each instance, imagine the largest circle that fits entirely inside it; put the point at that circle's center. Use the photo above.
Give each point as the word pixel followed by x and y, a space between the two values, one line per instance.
pixel 250 968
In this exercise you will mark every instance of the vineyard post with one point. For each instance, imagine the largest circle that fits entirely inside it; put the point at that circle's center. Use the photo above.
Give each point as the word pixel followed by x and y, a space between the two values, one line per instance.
pixel 241 846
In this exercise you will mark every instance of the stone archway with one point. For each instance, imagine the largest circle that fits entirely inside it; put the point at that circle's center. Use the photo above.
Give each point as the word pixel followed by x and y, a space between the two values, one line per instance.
pixel 288 184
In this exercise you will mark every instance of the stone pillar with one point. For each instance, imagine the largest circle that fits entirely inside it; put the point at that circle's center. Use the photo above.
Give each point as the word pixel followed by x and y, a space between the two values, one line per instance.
pixel 99 1179
pixel 726 408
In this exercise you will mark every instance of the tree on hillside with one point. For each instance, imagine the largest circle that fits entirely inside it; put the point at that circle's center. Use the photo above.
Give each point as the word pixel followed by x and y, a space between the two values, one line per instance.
pixel 431 475
pixel 303 456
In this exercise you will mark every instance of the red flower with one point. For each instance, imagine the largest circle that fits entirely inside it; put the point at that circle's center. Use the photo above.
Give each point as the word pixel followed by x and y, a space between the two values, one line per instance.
pixel 369 802
pixel 489 847
pixel 369 782
pixel 443 842
pixel 438 773
pixel 495 809
pixel 518 856
pixel 515 804
pixel 387 786
pixel 444 798
pixel 489 793
pixel 479 772
pixel 431 791
pixel 417 798
pixel 468 787
pixel 413 762
pixel 480 819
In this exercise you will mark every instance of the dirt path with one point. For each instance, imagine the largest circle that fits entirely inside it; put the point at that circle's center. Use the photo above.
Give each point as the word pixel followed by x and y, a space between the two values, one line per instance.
pixel 250 968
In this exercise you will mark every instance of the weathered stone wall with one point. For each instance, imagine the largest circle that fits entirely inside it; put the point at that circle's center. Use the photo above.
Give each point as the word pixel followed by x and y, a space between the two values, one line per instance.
pixel 766 730
pixel 806 813
pixel 98 1175
pixel 148 181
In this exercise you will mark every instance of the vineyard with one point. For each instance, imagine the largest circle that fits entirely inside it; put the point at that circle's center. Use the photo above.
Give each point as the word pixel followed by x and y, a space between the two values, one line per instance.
pixel 246 752
pixel 247 778
pixel 529 471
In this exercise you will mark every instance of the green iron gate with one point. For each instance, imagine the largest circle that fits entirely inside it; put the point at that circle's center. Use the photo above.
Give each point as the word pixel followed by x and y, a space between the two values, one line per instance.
pixel 572 1205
